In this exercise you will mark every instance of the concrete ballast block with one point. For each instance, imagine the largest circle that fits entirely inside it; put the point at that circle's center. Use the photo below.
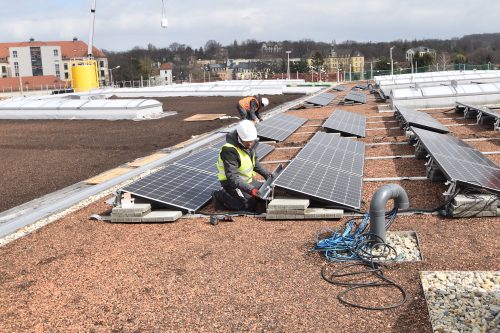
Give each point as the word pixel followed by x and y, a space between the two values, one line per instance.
pixel 289 204
pixel 126 219
pixel 136 211
pixel 323 213
pixel 162 216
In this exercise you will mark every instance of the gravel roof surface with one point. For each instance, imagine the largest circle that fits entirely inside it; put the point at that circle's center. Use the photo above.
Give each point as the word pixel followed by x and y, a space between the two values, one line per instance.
pixel 249 275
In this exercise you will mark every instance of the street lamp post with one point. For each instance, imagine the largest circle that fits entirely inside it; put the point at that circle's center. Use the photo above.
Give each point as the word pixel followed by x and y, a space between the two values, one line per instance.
pixel 288 65
pixel 392 62
pixel 111 74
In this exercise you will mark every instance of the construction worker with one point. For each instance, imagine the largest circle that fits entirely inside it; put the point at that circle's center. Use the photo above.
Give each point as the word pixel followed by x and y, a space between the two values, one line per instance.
pixel 237 166
pixel 249 107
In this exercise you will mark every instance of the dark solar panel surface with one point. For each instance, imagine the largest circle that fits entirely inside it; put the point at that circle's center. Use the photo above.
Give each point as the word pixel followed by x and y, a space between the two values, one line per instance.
pixel 355 97
pixel 346 122
pixel 340 88
pixel 322 99
pixel 178 186
pixel 279 127
pixel 204 160
pixel 420 119
pixel 459 161
pixel 326 184
pixel 329 168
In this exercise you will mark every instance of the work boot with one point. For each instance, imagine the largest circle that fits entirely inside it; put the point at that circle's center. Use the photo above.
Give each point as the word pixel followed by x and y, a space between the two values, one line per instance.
pixel 217 201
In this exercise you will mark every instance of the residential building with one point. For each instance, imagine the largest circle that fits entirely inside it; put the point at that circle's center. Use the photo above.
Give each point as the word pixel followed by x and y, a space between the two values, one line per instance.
pixel 421 51
pixel 166 73
pixel 34 58
pixel 271 48
pixel 343 58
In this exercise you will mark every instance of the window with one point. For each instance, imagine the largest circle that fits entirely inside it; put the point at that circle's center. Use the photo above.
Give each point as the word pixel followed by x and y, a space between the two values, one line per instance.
pixel 66 75
pixel 65 66
pixel 101 63
pixel 58 71
pixel 14 54
pixel 103 74
pixel 56 53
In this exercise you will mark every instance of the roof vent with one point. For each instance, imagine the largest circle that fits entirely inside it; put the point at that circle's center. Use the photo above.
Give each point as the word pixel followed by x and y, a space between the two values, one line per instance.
pixel 75 39
pixel 32 39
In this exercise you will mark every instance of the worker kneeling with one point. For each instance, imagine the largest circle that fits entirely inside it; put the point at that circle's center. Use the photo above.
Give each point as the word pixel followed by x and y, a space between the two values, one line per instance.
pixel 249 107
pixel 237 166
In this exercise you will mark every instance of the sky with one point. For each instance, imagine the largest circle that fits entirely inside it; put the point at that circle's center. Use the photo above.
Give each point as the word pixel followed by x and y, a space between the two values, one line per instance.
pixel 121 25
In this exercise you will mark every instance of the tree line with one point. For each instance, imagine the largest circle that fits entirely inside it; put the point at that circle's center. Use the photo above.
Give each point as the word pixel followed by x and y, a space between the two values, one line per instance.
pixel 137 62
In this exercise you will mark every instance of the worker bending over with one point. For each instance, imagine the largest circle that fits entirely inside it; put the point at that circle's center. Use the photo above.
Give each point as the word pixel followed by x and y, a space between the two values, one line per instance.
pixel 237 166
pixel 249 107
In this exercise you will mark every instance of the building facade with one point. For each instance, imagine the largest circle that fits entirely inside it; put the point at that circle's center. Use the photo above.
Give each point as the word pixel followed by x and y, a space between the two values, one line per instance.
pixel 36 58
pixel 420 51
pixel 343 59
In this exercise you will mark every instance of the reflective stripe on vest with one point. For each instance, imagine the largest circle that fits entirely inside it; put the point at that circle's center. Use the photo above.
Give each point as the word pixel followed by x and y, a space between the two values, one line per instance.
pixel 247 164
pixel 245 102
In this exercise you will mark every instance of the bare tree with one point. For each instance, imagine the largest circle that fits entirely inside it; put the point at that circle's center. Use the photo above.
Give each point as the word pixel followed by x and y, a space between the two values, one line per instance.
pixel 444 59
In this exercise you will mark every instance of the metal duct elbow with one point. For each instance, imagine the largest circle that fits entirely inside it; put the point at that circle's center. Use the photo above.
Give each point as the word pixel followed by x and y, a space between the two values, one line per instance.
pixel 377 208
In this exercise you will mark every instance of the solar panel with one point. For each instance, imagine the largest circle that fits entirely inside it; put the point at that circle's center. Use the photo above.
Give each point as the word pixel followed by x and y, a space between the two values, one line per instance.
pixel 337 142
pixel 419 119
pixel 178 186
pixel 204 160
pixel 323 183
pixel 329 168
pixel 361 86
pixel 459 161
pixel 340 88
pixel 346 122
pixel 279 127
pixel 482 111
pixel 333 157
pixel 322 99
pixel 468 173
pixel 355 97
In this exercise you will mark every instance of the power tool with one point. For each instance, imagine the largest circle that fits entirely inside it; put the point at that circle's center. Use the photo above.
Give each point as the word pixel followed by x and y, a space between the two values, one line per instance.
pixel 214 219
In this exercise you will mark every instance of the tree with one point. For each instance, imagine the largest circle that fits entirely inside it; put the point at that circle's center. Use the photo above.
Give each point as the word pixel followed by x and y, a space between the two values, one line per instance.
pixel 300 66
pixel 444 59
pixel 317 61
pixel 383 64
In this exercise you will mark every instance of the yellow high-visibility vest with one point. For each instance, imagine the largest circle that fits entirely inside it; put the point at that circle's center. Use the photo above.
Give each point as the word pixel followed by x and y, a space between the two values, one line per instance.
pixel 245 170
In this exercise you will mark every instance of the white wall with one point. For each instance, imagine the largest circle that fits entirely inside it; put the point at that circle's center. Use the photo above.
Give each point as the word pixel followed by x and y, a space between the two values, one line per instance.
pixel 24 60
pixel 49 60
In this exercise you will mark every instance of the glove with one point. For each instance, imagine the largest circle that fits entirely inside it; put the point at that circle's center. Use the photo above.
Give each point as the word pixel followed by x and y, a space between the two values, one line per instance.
pixel 256 121
pixel 253 193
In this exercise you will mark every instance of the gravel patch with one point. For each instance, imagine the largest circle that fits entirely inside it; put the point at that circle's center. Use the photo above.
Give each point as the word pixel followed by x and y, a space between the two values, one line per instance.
pixel 389 150
pixel 463 301
pixel 406 245
pixel 406 167
pixel 469 132
pixel 422 194
pixel 493 145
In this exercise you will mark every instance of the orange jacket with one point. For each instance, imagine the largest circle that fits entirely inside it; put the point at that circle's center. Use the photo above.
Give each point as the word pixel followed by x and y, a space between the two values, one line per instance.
pixel 245 102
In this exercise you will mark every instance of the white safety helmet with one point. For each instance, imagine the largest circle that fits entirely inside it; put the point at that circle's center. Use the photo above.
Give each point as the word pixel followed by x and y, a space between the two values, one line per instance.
pixel 246 131
pixel 265 101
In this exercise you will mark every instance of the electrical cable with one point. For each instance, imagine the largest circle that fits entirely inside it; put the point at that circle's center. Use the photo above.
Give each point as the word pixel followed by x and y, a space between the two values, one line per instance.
pixel 353 243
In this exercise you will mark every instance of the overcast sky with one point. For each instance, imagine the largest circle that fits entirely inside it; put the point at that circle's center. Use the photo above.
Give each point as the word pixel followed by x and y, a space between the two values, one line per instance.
pixel 123 24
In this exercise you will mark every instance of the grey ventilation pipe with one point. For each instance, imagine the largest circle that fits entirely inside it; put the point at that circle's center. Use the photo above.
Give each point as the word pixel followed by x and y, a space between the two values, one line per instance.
pixel 378 203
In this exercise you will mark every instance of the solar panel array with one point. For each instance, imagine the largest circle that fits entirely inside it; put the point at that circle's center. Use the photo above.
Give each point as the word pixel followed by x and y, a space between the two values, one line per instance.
pixel 188 183
pixel 355 97
pixel 419 119
pixel 322 99
pixel 346 122
pixel 279 127
pixel 460 162
pixel 329 168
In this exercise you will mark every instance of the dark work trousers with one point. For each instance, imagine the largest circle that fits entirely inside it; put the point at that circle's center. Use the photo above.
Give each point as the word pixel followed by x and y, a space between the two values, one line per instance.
pixel 235 199
pixel 246 115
